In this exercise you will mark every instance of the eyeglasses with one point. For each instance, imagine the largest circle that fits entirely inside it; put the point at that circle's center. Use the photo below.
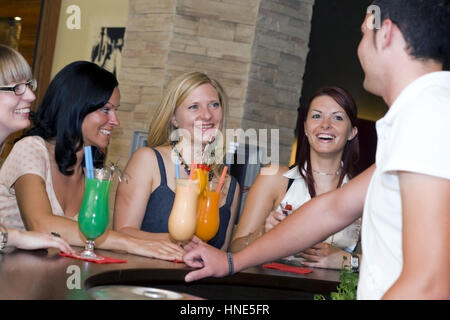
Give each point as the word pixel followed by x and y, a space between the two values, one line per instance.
pixel 20 88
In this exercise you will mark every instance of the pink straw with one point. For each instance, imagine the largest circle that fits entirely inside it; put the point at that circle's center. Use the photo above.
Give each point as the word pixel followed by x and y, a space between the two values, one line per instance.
pixel 191 177
pixel 222 178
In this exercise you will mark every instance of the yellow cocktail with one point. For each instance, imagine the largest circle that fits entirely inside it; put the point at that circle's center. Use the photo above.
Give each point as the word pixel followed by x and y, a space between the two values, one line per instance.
pixel 200 174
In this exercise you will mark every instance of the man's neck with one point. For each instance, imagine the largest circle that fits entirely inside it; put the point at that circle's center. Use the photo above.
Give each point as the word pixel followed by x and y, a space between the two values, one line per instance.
pixel 404 74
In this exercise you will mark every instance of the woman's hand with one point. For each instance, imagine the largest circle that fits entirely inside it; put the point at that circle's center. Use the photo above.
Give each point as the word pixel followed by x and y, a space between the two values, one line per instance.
pixel 324 255
pixel 194 243
pixel 273 219
pixel 31 240
pixel 159 249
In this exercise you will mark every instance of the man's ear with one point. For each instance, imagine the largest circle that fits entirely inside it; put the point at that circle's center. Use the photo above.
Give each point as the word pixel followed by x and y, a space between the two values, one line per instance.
pixel 385 34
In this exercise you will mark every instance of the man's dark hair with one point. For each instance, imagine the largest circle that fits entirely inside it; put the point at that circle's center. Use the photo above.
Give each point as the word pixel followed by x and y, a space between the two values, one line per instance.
pixel 77 90
pixel 425 25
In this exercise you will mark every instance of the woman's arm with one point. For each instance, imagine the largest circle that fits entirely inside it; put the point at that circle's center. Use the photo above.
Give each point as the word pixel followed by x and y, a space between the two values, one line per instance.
pixel 132 196
pixel 264 194
pixel 37 215
pixel 36 210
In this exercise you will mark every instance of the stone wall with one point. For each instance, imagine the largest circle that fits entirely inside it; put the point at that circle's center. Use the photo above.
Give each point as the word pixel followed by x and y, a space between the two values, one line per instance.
pixel 276 71
pixel 256 48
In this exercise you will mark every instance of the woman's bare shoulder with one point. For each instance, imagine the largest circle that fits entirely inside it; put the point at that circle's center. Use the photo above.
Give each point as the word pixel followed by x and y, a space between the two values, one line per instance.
pixel 143 158
pixel 143 153
pixel 273 173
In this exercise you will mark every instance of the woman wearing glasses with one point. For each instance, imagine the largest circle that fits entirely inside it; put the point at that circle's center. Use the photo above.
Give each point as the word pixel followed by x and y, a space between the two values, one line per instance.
pixel 42 180
pixel 16 96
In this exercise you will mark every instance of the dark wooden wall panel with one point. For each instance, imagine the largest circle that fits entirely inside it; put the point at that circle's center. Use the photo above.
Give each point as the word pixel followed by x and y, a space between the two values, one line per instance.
pixel 37 43
pixel 29 11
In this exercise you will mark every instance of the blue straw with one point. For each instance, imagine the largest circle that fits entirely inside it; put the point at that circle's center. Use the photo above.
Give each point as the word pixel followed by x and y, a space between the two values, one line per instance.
pixel 88 162
pixel 177 169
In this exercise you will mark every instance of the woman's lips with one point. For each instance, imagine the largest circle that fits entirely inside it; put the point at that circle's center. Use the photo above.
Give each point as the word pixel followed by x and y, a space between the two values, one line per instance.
pixel 325 137
pixel 205 127
pixel 105 132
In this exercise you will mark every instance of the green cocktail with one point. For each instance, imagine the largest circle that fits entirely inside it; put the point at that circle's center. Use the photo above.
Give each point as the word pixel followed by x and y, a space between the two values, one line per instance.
pixel 94 213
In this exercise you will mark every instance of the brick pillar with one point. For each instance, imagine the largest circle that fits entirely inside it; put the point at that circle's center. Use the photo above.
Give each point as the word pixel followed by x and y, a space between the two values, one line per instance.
pixel 256 48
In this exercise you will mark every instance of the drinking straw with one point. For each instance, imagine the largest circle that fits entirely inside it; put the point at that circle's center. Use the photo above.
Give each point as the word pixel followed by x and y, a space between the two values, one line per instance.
pixel 88 162
pixel 177 169
pixel 191 177
pixel 222 178
pixel 191 174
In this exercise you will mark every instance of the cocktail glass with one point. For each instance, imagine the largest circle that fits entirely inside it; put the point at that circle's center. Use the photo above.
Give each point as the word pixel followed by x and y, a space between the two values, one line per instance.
pixel 94 213
pixel 183 217
pixel 208 215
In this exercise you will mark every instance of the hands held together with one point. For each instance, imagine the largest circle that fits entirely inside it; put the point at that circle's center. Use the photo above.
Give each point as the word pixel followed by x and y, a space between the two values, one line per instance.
pixel 321 255
pixel 324 255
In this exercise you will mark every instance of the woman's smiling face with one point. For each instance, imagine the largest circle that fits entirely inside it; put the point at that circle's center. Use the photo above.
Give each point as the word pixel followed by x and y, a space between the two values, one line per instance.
pixel 97 125
pixel 200 114
pixel 328 126
pixel 15 109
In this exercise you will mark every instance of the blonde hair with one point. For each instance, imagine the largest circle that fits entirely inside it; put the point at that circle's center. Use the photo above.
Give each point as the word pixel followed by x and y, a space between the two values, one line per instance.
pixel 175 93
pixel 13 66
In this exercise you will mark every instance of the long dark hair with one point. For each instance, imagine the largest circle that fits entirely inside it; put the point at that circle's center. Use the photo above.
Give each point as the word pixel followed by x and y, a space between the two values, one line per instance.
pixel 350 155
pixel 78 89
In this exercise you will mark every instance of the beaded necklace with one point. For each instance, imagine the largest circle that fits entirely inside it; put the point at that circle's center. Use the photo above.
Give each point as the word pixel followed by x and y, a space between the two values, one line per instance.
pixel 184 164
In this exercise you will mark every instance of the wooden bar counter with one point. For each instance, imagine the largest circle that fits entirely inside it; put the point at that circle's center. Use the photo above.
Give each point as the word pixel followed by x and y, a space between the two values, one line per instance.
pixel 45 275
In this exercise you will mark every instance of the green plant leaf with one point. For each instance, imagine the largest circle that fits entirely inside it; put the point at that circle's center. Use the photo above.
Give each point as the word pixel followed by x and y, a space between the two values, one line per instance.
pixel 348 283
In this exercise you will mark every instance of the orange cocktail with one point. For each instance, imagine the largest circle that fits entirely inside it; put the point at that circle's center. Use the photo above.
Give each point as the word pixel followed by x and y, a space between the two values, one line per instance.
pixel 207 215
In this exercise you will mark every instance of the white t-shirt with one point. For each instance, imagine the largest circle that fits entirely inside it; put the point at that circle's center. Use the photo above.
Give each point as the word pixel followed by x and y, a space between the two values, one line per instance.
pixel 412 136
pixel 298 194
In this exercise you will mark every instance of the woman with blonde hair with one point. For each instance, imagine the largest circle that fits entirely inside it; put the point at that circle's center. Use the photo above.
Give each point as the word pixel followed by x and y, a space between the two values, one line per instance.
pixel 185 128
pixel 16 95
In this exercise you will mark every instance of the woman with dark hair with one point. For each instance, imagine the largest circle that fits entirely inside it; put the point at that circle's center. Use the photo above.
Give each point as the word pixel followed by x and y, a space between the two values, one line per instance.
pixel 42 180
pixel 329 151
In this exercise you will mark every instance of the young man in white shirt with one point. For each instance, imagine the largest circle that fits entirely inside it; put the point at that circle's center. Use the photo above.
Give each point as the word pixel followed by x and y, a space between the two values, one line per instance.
pixel 406 195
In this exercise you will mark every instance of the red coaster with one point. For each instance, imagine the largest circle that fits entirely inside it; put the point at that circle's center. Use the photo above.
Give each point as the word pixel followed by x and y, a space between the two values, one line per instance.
pixel 103 261
pixel 285 267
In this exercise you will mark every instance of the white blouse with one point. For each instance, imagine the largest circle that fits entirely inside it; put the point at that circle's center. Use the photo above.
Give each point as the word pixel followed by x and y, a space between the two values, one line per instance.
pixel 298 194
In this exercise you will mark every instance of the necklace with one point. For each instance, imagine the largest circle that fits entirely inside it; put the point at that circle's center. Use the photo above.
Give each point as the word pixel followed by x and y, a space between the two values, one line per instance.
pixel 327 173
pixel 180 157
pixel 186 167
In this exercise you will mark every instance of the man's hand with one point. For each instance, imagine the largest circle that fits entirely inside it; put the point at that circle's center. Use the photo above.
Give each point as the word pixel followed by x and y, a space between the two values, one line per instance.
pixel 213 262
